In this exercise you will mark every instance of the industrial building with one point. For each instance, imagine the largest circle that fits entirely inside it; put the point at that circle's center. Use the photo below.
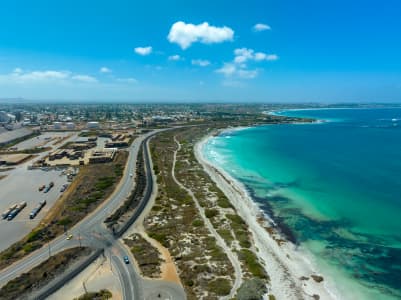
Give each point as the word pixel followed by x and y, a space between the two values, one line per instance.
pixel 70 126
pixel 103 156
pixel 13 159
pixel 6 117
pixel 118 141
pixel 57 125
pixel 69 153
pixel 92 125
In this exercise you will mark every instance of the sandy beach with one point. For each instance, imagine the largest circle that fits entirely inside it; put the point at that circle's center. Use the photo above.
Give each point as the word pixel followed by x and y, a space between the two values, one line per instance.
pixel 292 273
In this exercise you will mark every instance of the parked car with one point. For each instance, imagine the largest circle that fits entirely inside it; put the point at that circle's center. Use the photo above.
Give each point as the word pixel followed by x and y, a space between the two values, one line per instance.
pixel 63 188
pixel 41 188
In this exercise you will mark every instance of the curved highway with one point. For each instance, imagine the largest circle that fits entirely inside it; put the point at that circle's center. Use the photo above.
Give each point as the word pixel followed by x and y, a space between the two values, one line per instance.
pixel 93 233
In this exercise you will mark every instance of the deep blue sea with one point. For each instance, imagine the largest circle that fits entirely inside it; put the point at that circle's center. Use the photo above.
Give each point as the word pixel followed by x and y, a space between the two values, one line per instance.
pixel 336 187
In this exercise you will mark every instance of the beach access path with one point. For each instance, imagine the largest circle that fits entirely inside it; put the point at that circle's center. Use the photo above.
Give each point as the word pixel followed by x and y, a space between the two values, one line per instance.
pixel 219 240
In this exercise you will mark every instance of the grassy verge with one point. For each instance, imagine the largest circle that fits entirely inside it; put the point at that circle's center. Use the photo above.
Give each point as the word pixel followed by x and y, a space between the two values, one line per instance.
pixel 147 256
pixel 94 184
pixel 126 210
pixel 42 274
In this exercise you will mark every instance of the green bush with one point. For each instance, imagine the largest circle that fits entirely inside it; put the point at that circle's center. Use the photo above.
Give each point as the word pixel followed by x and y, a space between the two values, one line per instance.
pixel 226 235
pixel 33 235
pixel 64 221
pixel 211 213
pixel 252 289
pixel 252 263
pixel 223 202
pixel 28 247
pixel 220 286
pixel 160 237
pixel 104 183
pixel 197 223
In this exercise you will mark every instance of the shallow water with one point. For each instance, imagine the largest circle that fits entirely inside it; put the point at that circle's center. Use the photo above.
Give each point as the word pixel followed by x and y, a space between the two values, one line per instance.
pixel 336 185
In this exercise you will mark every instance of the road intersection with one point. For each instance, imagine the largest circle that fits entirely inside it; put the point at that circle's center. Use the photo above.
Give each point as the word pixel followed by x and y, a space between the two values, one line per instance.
pixel 92 232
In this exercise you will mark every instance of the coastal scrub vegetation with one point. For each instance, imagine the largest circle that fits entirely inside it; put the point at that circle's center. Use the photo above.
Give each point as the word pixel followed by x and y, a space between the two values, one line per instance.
pixel 147 256
pixel 231 227
pixel 205 270
pixel 175 222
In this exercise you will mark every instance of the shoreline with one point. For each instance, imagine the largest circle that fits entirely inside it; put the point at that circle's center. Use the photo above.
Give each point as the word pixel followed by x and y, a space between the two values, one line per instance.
pixel 287 266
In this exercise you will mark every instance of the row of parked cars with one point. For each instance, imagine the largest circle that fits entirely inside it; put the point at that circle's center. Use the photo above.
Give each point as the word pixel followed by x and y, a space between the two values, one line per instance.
pixel 45 188
pixel 15 209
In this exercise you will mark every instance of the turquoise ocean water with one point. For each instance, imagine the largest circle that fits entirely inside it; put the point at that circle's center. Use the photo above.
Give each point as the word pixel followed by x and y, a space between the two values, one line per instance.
pixel 335 188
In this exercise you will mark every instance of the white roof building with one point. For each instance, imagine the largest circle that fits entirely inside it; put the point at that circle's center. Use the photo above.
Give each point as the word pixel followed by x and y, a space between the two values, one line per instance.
pixel 70 125
pixel 57 125
pixel 92 125
pixel 6 117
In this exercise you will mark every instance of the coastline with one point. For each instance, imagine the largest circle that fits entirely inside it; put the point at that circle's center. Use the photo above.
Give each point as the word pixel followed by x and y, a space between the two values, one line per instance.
pixel 277 113
pixel 289 268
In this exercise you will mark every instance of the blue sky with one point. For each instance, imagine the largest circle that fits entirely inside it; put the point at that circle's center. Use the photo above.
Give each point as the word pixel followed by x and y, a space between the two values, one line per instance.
pixel 310 50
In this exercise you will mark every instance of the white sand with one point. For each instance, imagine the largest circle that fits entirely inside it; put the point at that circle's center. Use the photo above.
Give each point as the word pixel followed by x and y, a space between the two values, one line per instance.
pixel 285 264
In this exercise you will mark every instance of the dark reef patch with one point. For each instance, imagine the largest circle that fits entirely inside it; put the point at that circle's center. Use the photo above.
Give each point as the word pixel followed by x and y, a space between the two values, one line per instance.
pixel 365 257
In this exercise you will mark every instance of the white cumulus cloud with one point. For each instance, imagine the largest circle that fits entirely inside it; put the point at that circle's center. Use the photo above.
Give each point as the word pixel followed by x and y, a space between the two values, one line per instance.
pixel 272 57
pixel 261 27
pixel 242 55
pixel 143 50
pixel 238 68
pixel 19 75
pixel 84 78
pixel 228 69
pixel 175 57
pixel 235 70
pixel 127 80
pixel 104 70
pixel 185 34
pixel 200 62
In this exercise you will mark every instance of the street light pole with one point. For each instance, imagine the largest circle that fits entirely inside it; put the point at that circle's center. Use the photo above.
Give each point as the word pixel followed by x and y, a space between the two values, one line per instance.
pixel 111 265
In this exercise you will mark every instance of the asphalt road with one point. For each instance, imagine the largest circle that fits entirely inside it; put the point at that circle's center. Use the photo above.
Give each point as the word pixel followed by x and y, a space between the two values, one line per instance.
pixel 92 232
